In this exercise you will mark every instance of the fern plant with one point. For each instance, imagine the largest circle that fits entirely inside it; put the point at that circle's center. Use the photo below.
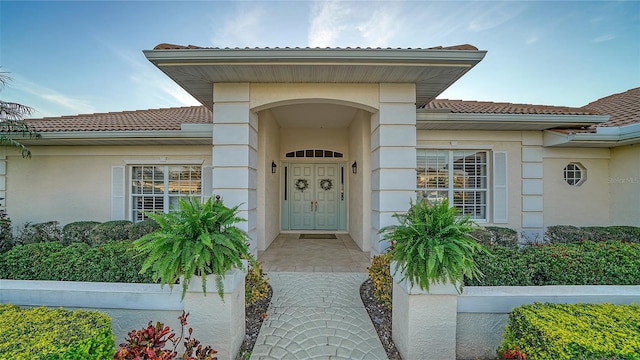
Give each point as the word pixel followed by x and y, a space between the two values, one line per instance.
pixel 431 244
pixel 197 239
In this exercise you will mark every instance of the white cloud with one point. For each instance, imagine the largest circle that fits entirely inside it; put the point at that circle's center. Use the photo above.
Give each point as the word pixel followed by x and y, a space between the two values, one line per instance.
pixel 74 104
pixel 150 82
pixel 329 21
pixel 245 29
pixel 382 26
pixel 603 38
pixel 495 15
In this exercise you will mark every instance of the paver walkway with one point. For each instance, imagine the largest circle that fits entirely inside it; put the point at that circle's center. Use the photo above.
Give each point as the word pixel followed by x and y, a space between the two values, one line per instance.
pixel 317 316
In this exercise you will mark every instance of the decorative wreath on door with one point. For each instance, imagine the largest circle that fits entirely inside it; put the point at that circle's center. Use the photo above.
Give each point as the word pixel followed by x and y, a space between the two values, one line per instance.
pixel 326 184
pixel 302 184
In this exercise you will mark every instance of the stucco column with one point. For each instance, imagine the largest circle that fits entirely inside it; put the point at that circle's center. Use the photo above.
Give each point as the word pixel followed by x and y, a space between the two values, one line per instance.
pixel 393 158
pixel 532 188
pixel 235 147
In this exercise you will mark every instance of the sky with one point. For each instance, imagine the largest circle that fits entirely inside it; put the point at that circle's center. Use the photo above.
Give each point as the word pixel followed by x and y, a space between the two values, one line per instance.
pixel 79 57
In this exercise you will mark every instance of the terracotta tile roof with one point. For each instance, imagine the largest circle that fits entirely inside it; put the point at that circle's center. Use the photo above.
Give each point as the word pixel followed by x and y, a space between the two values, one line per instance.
pixel 487 107
pixel 139 120
pixel 165 46
pixel 623 108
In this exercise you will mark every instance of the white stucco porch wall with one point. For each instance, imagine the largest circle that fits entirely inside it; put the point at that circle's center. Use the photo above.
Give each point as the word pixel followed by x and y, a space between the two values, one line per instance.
pixel 360 183
pixel 624 185
pixel 268 226
pixel 73 183
pixel 364 96
pixel 328 139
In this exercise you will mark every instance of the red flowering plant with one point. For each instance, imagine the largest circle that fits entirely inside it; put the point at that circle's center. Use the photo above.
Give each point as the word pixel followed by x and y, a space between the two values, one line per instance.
pixel 514 354
pixel 149 344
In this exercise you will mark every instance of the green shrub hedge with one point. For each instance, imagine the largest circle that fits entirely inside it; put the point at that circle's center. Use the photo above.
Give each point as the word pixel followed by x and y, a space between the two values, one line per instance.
pixel 494 235
pixel 110 230
pixel 114 261
pixel 570 234
pixel 53 334
pixel 574 331
pixel 141 228
pixel 40 232
pixel 586 263
pixel 78 231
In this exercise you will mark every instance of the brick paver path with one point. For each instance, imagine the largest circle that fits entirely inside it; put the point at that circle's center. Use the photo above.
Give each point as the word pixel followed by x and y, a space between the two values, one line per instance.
pixel 317 315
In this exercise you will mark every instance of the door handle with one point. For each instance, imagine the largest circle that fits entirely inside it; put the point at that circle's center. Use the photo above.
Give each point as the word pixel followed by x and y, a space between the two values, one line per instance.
pixel 311 205
pixel 316 205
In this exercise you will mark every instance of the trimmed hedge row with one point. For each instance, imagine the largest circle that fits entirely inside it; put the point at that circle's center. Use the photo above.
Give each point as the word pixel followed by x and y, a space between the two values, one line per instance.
pixel 586 263
pixel 574 331
pixel 88 232
pixel 571 234
pixel 52 334
pixel 114 261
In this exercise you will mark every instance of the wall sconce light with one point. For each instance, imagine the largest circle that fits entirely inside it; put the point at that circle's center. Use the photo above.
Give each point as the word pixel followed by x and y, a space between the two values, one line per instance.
pixel 354 167
pixel 274 167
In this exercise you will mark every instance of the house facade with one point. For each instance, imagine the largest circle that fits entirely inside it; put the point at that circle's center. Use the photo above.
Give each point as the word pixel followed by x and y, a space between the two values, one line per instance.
pixel 333 140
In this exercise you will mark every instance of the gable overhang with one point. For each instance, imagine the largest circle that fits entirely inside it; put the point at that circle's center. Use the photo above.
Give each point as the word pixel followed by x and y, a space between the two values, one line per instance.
pixel 605 137
pixel 196 70
pixel 444 120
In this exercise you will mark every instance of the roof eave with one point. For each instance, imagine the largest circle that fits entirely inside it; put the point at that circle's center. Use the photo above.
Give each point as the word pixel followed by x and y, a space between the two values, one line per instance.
pixel 603 137
pixel 428 120
pixel 201 135
pixel 195 70
pixel 313 55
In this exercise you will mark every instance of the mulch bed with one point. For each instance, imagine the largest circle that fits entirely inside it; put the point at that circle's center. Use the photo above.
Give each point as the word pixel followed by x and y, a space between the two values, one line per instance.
pixel 254 316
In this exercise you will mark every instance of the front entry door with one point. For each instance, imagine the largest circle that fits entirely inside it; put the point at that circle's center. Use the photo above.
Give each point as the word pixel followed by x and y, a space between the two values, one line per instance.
pixel 314 196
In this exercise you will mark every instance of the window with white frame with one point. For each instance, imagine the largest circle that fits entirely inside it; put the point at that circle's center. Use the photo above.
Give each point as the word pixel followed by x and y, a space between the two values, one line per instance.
pixel 157 188
pixel 457 175
pixel 575 174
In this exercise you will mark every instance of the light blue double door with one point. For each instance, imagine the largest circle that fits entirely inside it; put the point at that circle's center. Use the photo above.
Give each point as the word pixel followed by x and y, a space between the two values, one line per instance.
pixel 315 192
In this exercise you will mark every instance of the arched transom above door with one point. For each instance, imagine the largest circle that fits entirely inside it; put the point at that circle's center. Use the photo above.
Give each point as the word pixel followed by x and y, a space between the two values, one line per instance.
pixel 314 153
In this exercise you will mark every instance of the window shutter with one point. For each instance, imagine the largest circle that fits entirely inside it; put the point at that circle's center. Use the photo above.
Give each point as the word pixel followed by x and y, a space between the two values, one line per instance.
pixel 207 182
pixel 117 193
pixel 500 194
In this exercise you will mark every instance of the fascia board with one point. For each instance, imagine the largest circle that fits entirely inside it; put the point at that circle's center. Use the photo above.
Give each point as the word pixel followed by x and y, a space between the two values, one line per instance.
pixel 309 56
pixel 208 132
pixel 558 120
pixel 538 118
pixel 619 136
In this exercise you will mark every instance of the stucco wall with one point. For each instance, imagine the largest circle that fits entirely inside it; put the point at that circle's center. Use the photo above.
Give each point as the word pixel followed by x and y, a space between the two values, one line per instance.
pixel 360 183
pixel 269 199
pixel 73 183
pixel 583 205
pixel 624 185
pixel 328 139
pixel 364 96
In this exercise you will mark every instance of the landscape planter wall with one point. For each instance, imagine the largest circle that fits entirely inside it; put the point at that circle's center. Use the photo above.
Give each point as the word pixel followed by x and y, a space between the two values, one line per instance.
pixel 131 306
pixel 483 310
pixel 423 322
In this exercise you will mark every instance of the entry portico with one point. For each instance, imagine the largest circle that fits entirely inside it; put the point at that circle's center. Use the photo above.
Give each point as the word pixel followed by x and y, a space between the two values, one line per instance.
pixel 314 139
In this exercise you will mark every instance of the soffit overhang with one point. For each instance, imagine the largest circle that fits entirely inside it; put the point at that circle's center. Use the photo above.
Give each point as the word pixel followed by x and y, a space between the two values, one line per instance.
pixel 442 120
pixel 432 70
pixel 604 137
pixel 198 134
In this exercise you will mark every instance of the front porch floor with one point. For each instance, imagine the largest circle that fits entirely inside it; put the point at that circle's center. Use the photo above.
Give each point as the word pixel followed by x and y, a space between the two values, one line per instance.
pixel 291 254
